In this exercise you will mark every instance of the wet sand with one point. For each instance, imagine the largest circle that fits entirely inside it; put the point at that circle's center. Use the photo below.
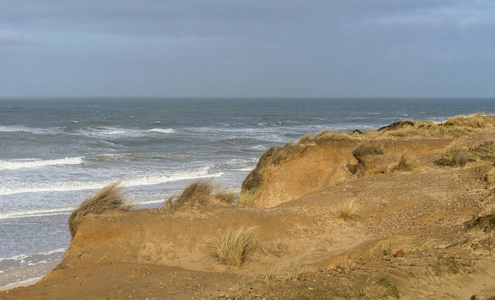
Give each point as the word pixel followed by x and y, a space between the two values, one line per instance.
pixel 24 276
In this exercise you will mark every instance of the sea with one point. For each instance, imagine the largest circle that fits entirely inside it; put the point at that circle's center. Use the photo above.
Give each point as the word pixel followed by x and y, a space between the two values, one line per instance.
pixel 55 152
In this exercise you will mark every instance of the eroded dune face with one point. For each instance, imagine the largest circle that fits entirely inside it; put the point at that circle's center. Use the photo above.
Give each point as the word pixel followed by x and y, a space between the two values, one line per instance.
pixel 316 167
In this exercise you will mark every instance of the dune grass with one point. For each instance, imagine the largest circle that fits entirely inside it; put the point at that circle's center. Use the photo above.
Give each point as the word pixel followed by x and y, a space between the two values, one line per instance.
pixel 348 210
pixel 485 151
pixel 109 198
pixel 407 162
pixel 430 129
pixel 233 247
pixel 389 246
pixel 324 136
pixel 194 194
pixel 489 178
pixel 477 120
pixel 456 126
pixel 456 154
pixel 325 245
pixel 363 150
pixel 200 192
pixel 225 195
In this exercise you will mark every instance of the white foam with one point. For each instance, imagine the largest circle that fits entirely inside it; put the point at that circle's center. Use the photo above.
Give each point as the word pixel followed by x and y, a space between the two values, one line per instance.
pixel 161 130
pixel 20 128
pixel 113 132
pixel 150 202
pixel 109 132
pixel 65 186
pixel 23 282
pixel 37 163
pixel 245 169
pixel 23 257
pixel 35 213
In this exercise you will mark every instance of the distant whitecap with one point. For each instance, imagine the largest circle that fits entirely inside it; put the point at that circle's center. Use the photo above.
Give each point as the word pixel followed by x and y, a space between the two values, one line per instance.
pixel 161 130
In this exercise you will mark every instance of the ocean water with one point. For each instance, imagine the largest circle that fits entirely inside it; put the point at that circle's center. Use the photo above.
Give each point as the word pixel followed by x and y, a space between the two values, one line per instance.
pixel 56 152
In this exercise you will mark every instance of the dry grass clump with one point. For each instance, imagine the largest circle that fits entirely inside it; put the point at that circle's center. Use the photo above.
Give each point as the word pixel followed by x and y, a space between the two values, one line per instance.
pixel 485 151
pixel 407 162
pixel 485 218
pixel 397 125
pixel 363 150
pixel 372 288
pixel 109 198
pixel 247 198
pixel 477 120
pixel 233 247
pixel 391 245
pixel 489 178
pixel 324 136
pixel 348 210
pixel 197 193
pixel 225 195
pixel 429 129
pixel 325 245
pixel 455 127
pixel 456 154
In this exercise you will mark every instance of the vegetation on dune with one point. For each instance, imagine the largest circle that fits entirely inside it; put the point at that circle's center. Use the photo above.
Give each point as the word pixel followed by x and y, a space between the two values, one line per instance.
pixel 485 151
pixel 407 162
pixel 477 120
pixel 397 125
pixel 348 210
pixel 430 129
pixel 454 127
pixel 198 193
pixel 390 245
pixel 277 154
pixel 233 247
pixel 458 153
pixel 273 156
pixel 489 178
pixel 225 195
pixel 109 198
pixel 324 136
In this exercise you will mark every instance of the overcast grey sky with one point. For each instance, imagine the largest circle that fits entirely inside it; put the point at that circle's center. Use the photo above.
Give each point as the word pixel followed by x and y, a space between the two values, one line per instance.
pixel 248 48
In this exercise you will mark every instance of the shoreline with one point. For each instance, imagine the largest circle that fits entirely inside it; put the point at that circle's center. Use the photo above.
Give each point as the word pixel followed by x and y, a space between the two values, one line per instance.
pixel 25 276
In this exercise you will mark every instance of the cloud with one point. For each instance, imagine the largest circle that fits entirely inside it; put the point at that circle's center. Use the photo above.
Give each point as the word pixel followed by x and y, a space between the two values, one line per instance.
pixel 8 37
pixel 243 48
pixel 442 16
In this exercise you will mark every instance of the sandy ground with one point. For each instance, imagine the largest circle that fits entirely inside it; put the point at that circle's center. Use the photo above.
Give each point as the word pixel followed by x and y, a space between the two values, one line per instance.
pixel 413 236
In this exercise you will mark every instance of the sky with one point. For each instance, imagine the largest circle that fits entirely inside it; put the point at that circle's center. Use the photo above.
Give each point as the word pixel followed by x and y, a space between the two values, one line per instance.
pixel 247 48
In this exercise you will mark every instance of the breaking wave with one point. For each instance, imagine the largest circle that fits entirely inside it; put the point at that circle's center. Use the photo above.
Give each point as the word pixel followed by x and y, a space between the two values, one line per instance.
pixel 34 163
pixel 94 185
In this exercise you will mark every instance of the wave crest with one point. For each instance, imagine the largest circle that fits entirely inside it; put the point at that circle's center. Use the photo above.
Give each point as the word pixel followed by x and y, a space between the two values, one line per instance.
pixel 161 130
pixel 25 164
pixel 94 185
